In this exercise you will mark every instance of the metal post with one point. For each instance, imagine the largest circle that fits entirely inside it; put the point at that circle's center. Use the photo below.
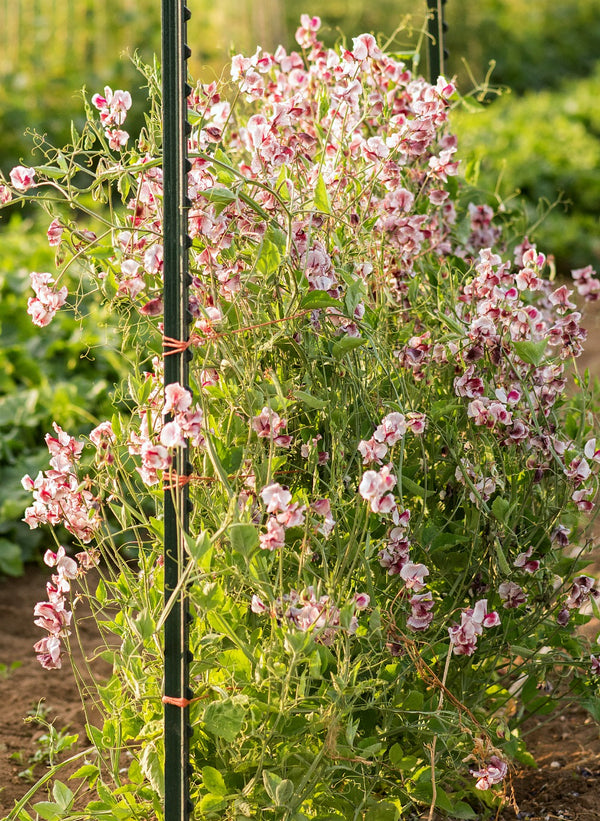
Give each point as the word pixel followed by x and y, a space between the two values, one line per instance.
pixel 175 203
pixel 436 28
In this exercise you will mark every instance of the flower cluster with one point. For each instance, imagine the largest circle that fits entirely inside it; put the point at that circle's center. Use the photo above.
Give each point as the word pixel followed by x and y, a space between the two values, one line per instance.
pixel 47 300
pixel 304 611
pixel 493 772
pixel 268 425
pixel 60 497
pixel 157 438
pixel 113 108
pixel 375 487
pixel 284 514
pixel 582 590
pixel 464 636
pixel 53 615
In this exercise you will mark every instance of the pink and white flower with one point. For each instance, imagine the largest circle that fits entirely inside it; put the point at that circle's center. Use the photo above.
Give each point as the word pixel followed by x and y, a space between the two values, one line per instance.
pixel 22 177
pixel 491 773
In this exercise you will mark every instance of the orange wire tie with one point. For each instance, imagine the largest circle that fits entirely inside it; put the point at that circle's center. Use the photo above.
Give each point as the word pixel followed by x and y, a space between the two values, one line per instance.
pixel 173 346
pixel 180 702
pixel 174 480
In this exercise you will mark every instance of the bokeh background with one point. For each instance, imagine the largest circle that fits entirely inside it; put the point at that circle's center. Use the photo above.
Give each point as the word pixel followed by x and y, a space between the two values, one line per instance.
pixel 529 133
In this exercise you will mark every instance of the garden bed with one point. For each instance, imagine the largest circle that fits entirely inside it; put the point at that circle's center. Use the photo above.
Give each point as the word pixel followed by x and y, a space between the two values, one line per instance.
pixel 569 791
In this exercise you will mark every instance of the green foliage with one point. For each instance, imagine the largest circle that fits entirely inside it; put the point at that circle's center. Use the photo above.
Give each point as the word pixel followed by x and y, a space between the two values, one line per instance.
pixel 544 146
pixel 532 45
pixel 66 376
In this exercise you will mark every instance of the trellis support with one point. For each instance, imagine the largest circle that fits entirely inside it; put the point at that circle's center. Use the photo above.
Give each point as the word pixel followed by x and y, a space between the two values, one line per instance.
pixel 436 28
pixel 175 130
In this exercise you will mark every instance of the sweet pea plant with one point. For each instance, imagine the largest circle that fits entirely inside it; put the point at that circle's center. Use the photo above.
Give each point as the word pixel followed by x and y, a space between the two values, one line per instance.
pixel 391 476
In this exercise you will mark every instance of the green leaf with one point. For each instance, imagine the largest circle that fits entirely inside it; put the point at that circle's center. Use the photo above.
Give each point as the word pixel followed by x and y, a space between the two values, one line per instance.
pixel 524 757
pixel 321 200
pixel 269 257
pixel 382 811
pixel 50 171
pixel 396 754
pixel 531 352
pixel 212 803
pixel 243 537
pixel 225 172
pixel 463 810
pixel 48 810
pixel 346 344
pixel 62 795
pixel 500 508
pixel 89 771
pixel 284 792
pixel 238 663
pixel 311 401
pixel 443 540
pixel 271 782
pixel 213 781
pixel 221 197
pixel 200 549
pixel 225 719
pixel 151 766
pixel 95 735
pixel 319 299
pixel 414 488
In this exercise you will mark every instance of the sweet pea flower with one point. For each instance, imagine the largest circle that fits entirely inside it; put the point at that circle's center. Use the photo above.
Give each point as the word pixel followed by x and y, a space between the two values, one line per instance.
pixel 22 178
pixel 491 773
pixel 48 652
pixel 66 567
pixel 54 233
pixel 512 595
pixel 43 307
pixel 274 537
pixel 276 497
pixel 413 575
pixel 464 637
pixel 421 605
pixel 177 399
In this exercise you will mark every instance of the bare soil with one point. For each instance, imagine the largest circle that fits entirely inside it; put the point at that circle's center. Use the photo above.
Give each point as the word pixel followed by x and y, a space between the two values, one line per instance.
pixel 29 688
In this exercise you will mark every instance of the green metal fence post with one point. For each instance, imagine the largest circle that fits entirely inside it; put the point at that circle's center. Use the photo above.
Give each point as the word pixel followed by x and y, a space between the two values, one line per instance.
pixel 175 265
pixel 436 28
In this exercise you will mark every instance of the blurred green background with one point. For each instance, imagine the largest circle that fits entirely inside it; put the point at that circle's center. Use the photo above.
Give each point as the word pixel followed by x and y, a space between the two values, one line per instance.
pixel 531 125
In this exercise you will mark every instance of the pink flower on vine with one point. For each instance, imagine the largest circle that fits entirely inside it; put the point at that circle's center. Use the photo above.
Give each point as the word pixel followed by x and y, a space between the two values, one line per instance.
pixel 22 178
pixel 48 652
pixel 464 636
pixel 491 773
pixel 268 425
pixel 43 307
pixel 276 497
pixel 177 399
pixel 54 233
pixel 274 537
pixel 5 194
